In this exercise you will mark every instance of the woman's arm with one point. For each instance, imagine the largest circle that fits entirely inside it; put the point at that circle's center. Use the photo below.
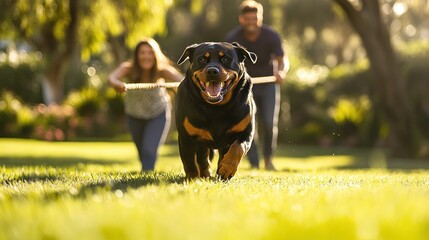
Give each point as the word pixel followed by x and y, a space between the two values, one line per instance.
pixel 117 74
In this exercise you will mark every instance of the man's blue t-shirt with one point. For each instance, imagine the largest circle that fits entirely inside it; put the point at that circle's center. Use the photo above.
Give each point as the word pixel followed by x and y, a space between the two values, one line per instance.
pixel 267 46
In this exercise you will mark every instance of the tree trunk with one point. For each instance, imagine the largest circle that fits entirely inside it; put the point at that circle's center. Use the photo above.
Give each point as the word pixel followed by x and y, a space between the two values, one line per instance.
pixel 117 45
pixel 390 86
pixel 58 54
pixel 53 85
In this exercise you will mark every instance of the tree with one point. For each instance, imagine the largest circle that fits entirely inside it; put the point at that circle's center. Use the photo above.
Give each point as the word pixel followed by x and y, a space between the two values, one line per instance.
pixel 391 89
pixel 57 28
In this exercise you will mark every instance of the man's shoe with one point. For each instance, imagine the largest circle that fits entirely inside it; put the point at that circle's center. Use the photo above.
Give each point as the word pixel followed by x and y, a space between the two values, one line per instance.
pixel 269 166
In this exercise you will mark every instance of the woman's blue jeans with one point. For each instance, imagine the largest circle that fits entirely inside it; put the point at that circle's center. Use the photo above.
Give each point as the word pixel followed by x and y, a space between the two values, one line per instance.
pixel 148 135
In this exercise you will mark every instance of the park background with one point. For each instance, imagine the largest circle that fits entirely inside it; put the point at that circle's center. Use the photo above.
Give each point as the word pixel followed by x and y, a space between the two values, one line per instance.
pixel 353 147
pixel 358 76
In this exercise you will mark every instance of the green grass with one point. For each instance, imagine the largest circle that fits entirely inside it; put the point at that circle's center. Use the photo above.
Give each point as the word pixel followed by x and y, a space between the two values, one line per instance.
pixel 93 190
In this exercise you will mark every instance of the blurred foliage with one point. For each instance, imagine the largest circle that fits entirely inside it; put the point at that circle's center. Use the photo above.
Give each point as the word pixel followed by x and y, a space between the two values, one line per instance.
pixel 9 107
pixel 84 115
pixel 86 102
pixel 59 28
pixel 98 20
pixel 19 72
pixel 414 59
pixel 54 123
pixel 16 118
pixel 350 117
pixel 347 111
pixel 130 19
pixel 339 108
pixel 98 112
pixel 22 81
pixel 115 103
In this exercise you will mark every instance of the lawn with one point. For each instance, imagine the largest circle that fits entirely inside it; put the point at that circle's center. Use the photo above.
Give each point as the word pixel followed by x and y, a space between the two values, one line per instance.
pixel 93 190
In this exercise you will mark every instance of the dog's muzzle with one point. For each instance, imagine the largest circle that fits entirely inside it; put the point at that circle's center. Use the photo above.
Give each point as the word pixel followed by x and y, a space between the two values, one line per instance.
pixel 215 84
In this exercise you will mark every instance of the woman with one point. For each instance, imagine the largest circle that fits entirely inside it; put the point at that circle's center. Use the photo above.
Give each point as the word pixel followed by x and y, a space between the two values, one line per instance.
pixel 148 111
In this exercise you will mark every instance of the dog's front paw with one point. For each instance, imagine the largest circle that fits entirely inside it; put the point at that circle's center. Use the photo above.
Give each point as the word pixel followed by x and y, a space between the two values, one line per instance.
pixel 192 175
pixel 226 170
pixel 229 163
pixel 205 173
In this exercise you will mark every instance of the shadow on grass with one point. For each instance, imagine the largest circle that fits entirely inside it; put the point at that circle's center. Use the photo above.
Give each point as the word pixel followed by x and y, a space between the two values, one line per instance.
pixel 86 186
pixel 132 180
pixel 30 177
pixel 62 162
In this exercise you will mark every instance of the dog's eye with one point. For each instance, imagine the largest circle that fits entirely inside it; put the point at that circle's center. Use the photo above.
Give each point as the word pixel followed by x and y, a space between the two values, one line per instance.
pixel 225 60
pixel 202 60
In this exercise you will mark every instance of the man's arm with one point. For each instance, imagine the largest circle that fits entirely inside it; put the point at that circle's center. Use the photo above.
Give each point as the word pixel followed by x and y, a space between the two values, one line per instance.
pixel 281 66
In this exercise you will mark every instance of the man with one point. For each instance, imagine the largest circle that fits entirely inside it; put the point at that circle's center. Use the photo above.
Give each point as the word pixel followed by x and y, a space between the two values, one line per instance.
pixel 266 43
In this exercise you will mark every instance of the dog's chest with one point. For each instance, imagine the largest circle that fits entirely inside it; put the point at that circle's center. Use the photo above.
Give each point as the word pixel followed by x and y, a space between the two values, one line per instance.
pixel 219 131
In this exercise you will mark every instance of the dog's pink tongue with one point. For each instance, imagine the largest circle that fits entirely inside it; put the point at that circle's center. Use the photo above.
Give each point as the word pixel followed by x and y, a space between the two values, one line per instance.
pixel 214 89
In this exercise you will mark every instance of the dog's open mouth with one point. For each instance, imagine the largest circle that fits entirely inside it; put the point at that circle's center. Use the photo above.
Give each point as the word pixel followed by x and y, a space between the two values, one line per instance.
pixel 215 90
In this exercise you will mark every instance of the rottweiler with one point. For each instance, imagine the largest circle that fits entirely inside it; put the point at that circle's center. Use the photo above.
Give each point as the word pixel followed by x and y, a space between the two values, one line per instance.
pixel 214 108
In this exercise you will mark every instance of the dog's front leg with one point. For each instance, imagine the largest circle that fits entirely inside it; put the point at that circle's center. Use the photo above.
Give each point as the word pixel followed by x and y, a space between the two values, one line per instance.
pixel 204 157
pixel 187 151
pixel 229 162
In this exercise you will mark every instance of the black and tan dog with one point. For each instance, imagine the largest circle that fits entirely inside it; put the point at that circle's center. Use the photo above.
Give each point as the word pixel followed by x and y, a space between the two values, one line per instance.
pixel 215 108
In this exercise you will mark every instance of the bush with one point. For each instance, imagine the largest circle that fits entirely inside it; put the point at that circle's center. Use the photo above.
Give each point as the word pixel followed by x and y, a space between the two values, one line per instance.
pixel 87 102
pixel 55 123
pixel 349 117
pixel 98 113
pixel 26 122
pixel 16 120
pixel 22 81
pixel 341 109
pixel 332 108
pixel 303 114
pixel 84 115
pixel 115 104
pixel 9 107
pixel 414 58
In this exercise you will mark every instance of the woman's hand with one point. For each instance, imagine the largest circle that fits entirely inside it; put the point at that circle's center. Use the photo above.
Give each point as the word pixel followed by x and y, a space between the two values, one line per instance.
pixel 119 86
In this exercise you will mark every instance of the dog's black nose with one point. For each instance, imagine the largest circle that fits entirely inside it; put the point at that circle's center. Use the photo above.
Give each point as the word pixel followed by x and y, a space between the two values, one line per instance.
pixel 212 72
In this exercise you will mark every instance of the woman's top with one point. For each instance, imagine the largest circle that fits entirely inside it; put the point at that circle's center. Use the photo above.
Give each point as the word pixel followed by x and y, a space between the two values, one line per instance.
pixel 146 103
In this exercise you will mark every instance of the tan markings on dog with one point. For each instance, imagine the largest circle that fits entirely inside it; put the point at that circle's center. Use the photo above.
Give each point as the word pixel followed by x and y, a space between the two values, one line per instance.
pixel 227 97
pixel 241 126
pixel 207 55
pixel 198 75
pixel 229 163
pixel 221 54
pixel 202 134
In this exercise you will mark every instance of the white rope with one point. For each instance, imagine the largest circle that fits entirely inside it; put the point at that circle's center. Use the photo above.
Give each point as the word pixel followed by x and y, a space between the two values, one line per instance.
pixel 134 86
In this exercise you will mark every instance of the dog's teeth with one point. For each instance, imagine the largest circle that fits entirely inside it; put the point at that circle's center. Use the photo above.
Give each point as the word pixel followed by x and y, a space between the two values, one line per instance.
pixel 221 84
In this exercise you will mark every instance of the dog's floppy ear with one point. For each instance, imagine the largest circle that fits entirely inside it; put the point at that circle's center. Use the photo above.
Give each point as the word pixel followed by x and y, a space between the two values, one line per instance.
pixel 243 53
pixel 188 53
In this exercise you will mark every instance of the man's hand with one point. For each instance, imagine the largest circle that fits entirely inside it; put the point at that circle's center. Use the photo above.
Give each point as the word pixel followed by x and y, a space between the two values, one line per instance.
pixel 280 77
pixel 280 68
